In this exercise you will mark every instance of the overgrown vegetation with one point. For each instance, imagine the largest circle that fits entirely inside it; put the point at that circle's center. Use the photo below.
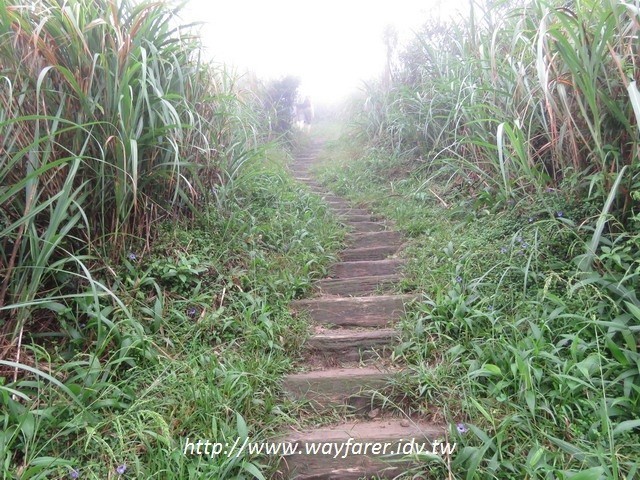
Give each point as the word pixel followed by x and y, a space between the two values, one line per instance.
pixel 280 97
pixel 518 98
pixel 150 240
pixel 506 145
pixel 109 124
pixel 210 299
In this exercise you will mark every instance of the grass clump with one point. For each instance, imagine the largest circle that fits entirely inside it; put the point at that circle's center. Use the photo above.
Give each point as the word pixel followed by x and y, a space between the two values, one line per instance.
pixel 109 124
pixel 211 299
pixel 505 142
pixel 530 357
pixel 516 96
pixel 150 239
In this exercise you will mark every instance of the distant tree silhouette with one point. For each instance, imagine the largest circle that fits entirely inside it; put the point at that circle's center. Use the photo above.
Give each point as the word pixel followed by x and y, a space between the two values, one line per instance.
pixel 280 98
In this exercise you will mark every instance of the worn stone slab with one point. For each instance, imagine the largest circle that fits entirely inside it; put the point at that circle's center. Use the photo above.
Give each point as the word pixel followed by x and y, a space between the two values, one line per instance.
pixel 345 345
pixel 369 253
pixel 332 198
pixel 374 239
pixel 367 217
pixel 347 211
pixel 366 268
pixel 303 169
pixel 366 227
pixel 377 311
pixel 376 460
pixel 338 204
pixel 358 285
pixel 318 189
pixel 337 387
pixel 313 185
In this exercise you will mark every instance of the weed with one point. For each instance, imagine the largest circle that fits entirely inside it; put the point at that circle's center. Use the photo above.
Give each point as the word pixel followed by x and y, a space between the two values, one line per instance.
pixel 512 338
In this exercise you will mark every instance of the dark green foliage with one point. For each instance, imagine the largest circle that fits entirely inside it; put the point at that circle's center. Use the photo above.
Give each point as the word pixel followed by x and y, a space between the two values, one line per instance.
pixel 536 355
pixel 280 97
pixel 517 96
pixel 211 337
pixel 139 300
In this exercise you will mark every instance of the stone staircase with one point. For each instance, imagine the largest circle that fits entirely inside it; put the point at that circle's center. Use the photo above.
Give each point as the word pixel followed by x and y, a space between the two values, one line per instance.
pixel 353 317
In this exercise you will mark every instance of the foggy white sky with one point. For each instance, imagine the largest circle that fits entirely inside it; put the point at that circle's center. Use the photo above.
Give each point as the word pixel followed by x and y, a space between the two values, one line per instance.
pixel 331 44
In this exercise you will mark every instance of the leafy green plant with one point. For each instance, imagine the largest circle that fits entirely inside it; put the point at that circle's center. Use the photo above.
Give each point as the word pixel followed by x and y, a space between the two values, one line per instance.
pixel 149 241
pixel 180 273
pixel 515 96
pixel 532 355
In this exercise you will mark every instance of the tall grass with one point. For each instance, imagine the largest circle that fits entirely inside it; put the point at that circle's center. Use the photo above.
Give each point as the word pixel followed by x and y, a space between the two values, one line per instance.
pixel 522 338
pixel 508 146
pixel 109 122
pixel 150 241
pixel 518 95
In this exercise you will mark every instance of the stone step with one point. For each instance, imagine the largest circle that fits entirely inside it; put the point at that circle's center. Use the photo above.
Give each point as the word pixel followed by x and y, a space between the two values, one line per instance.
pixel 330 198
pixel 303 167
pixel 366 227
pixel 375 448
pixel 378 311
pixel 367 217
pixel 338 204
pixel 357 286
pixel 369 253
pixel 365 268
pixel 345 345
pixel 338 388
pixel 347 211
pixel 374 239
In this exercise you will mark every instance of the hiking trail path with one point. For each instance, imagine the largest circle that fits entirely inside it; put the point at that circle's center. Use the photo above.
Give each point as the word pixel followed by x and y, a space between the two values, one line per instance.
pixel 346 358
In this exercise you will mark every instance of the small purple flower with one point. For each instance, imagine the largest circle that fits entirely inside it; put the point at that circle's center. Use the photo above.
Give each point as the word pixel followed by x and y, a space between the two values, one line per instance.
pixel 120 469
pixel 191 312
pixel 559 214
pixel 524 245
pixel 74 474
pixel 132 256
pixel 519 239
pixel 490 308
pixel 462 428
pixel 459 279
pixel 504 250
